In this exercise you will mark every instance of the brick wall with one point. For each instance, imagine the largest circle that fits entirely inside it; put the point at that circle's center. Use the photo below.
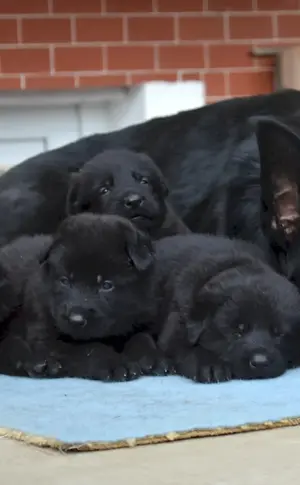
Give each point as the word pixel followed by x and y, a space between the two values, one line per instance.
pixel 63 44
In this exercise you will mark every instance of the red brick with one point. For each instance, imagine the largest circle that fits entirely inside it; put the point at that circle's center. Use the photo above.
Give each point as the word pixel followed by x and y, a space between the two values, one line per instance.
pixel 246 84
pixel 179 5
pixel 192 76
pixel 8 7
pixel 250 27
pixel 76 6
pixel 150 28
pixel 7 83
pixel 289 25
pixel 234 5
pixel 46 30
pixel 201 28
pixel 277 4
pixel 49 82
pixel 102 29
pixel 127 58
pixel 181 57
pixel 223 55
pixel 8 31
pixel 215 84
pixel 119 6
pixel 153 76
pixel 78 58
pixel 95 81
pixel 24 60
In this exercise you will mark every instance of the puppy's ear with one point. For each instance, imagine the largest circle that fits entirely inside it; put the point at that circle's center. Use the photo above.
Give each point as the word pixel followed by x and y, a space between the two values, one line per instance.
pixel 74 202
pixel 140 249
pixel 279 149
pixel 161 184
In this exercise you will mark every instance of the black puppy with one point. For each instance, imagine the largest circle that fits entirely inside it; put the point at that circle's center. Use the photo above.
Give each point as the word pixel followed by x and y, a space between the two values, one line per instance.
pixel 227 314
pixel 17 261
pixel 92 283
pixel 128 184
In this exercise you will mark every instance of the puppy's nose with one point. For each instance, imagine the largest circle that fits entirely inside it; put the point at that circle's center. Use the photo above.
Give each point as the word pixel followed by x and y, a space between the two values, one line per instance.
pixel 132 201
pixel 77 319
pixel 258 361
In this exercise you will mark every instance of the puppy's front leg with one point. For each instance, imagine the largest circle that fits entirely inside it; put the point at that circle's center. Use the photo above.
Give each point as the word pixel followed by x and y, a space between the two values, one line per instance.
pixel 84 360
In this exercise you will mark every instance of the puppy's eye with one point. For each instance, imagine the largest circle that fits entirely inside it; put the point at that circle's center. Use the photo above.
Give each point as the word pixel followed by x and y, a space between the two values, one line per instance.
pixel 64 281
pixel 144 180
pixel 104 190
pixel 106 285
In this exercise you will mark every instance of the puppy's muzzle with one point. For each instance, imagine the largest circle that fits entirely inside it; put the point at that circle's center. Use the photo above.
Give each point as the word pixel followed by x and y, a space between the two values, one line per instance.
pixel 77 319
pixel 133 201
pixel 79 316
pixel 259 361
pixel 263 364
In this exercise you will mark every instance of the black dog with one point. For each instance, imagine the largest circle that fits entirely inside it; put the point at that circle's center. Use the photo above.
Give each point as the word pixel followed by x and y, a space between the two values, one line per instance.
pixel 92 283
pixel 128 184
pixel 119 181
pixel 214 308
pixel 227 314
pixel 209 156
pixel 17 261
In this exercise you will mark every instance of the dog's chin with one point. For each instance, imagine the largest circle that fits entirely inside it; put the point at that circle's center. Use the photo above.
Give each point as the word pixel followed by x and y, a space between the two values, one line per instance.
pixel 146 222
pixel 245 372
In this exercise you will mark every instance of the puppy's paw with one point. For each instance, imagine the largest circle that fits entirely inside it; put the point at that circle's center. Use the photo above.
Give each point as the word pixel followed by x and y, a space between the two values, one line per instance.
pixel 142 351
pixel 110 366
pixel 202 367
pixel 213 373
pixel 48 368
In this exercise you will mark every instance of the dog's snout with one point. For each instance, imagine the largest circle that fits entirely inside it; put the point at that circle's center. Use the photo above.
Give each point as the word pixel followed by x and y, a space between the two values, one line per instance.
pixel 78 316
pixel 259 360
pixel 77 319
pixel 133 201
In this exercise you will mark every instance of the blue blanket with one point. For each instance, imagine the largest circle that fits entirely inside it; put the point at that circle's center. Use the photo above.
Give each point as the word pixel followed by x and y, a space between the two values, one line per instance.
pixel 74 411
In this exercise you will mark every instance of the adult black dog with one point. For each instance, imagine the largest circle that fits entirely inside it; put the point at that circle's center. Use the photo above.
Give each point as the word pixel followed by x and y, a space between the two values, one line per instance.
pixel 208 306
pixel 92 283
pixel 128 184
pixel 209 157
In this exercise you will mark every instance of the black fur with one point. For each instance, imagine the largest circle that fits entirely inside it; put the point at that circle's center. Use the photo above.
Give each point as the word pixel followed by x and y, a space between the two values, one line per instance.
pixel 226 313
pixel 17 260
pixel 209 157
pixel 92 284
pixel 104 303
pixel 128 184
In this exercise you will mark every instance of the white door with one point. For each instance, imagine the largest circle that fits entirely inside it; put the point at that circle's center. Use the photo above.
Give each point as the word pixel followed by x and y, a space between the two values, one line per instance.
pixel 26 131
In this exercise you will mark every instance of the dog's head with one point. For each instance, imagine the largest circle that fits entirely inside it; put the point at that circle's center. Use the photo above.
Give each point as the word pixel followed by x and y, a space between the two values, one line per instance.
pixel 120 182
pixel 96 276
pixel 244 317
pixel 279 148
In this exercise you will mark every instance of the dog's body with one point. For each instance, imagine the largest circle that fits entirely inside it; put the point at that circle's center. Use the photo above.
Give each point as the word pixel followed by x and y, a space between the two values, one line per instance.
pixel 223 312
pixel 209 157
pixel 100 281
pixel 90 288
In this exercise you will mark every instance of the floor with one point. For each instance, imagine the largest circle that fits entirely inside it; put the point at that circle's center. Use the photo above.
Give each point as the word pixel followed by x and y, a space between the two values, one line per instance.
pixel 259 458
